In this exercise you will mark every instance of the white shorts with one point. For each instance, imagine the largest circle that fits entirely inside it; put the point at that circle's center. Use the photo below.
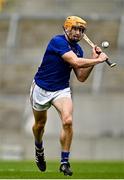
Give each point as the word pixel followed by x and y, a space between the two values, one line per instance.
pixel 42 100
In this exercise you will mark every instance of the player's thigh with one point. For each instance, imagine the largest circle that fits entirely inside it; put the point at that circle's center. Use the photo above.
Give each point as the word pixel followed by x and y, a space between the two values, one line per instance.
pixel 65 107
pixel 40 116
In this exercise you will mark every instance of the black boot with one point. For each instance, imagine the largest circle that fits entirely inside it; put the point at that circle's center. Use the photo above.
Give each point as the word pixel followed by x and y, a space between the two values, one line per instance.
pixel 65 168
pixel 40 159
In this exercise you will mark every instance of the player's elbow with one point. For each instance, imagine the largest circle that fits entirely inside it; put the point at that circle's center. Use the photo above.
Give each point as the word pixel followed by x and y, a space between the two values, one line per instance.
pixel 81 79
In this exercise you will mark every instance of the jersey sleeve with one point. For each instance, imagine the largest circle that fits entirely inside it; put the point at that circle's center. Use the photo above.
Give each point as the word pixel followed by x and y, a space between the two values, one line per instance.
pixel 60 46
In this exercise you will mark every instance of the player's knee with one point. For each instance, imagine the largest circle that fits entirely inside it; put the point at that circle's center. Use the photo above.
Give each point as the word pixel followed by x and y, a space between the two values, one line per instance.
pixel 67 122
pixel 40 125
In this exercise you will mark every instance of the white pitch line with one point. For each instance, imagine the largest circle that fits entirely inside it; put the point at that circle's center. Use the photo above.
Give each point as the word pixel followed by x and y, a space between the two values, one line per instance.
pixel 63 179
pixel 22 170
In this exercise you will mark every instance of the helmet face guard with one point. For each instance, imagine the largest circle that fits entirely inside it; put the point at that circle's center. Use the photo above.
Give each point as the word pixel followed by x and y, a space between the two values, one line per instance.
pixel 74 21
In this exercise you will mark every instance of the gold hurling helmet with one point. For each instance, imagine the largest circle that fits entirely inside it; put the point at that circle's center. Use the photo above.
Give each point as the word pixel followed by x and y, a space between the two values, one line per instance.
pixel 74 21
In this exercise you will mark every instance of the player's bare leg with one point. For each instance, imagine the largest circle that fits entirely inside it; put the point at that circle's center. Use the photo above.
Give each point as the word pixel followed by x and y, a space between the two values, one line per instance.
pixel 38 127
pixel 66 136
pixel 65 108
pixel 38 130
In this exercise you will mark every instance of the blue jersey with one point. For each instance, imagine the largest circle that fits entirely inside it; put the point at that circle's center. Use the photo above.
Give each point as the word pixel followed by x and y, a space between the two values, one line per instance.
pixel 54 73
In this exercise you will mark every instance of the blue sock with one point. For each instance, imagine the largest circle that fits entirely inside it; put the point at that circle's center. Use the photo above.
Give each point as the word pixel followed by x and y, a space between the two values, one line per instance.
pixel 64 157
pixel 39 145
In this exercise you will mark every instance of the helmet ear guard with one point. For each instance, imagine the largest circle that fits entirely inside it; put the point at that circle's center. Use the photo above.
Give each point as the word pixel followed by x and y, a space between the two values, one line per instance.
pixel 66 31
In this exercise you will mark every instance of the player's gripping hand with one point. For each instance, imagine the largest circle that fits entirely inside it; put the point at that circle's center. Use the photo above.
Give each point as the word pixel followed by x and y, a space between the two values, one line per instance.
pixel 102 57
pixel 96 52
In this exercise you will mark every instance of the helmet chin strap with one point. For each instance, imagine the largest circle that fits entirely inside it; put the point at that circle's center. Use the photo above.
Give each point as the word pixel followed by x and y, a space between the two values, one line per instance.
pixel 72 41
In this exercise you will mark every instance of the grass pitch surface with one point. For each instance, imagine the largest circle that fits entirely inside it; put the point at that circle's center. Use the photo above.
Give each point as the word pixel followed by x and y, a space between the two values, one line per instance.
pixel 81 170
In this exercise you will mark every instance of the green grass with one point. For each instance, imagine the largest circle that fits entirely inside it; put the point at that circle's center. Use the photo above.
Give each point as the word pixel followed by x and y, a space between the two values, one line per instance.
pixel 81 169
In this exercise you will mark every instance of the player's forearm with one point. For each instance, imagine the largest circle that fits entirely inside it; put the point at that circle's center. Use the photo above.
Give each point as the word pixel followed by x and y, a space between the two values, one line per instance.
pixel 84 63
pixel 91 62
pixel 77 62
pixel 83 73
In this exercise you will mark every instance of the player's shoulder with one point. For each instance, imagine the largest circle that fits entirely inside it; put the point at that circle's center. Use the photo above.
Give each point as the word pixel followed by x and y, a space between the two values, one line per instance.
pixel 58 38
